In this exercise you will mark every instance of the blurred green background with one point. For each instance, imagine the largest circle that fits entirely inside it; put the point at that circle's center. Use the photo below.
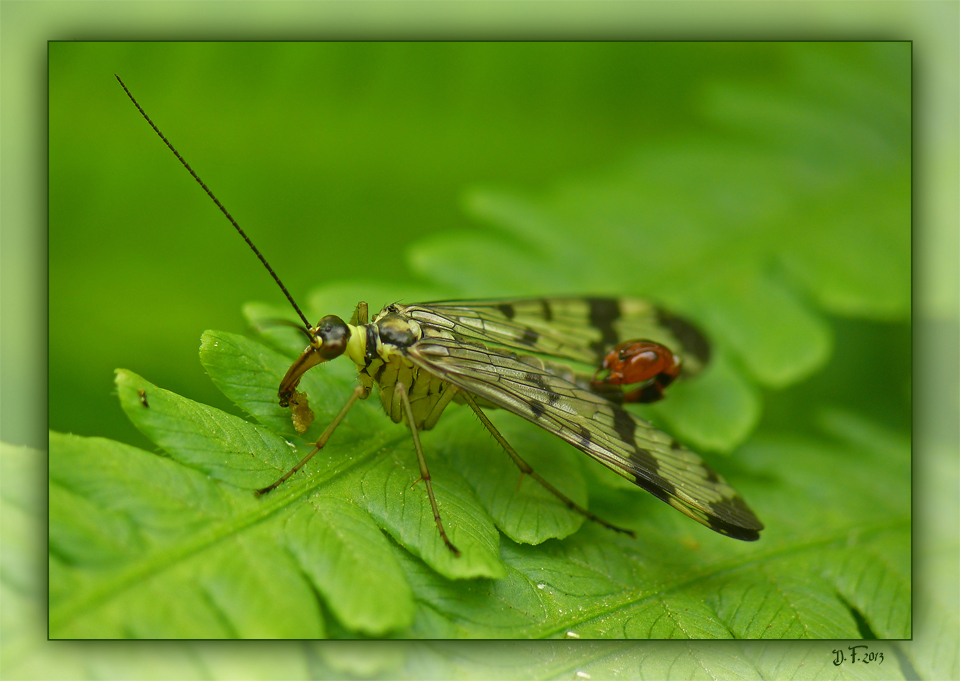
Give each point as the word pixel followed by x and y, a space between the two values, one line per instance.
pixel 334 157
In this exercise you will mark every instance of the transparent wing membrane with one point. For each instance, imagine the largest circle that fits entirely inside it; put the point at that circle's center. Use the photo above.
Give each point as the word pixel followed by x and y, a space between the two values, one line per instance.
pixel 599 428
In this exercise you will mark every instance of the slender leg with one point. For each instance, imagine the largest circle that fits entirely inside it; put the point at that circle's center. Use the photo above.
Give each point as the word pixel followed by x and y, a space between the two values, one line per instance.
pixel 401 390
pixel 357 394
pixel 525 469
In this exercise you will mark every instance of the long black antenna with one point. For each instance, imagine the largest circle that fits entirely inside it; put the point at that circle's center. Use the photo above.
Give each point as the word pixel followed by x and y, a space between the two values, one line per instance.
pixel 219 205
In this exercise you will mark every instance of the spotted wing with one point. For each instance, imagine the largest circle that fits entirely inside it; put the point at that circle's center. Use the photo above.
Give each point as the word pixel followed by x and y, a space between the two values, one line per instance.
pixel 529 387
pixel 580 329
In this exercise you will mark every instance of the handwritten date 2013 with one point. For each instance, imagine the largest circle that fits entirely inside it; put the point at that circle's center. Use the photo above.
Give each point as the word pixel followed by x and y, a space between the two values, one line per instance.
pixel 865 656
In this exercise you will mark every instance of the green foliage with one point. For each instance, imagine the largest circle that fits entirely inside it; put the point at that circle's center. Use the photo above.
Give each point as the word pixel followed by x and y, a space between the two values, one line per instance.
pixel 836 505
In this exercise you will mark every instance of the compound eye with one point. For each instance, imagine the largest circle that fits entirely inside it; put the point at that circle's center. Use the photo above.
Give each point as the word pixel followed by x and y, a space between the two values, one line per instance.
pixel 333 334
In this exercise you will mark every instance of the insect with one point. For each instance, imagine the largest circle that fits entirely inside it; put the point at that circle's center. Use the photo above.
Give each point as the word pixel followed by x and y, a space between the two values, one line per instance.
pixel 143 397
pixel 522 355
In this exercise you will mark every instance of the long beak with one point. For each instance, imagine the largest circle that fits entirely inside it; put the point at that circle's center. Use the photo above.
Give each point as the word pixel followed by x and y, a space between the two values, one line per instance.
pixel 306 361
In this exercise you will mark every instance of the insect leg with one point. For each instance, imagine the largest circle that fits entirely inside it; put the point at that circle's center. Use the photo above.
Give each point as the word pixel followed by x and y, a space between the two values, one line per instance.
pixel 358 392
pixel 401 390
pixel 527 470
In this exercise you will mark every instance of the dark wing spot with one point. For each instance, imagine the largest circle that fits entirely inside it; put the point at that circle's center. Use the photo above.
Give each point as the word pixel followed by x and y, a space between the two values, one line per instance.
pixel 603 313
pixel 661 489
pixel 625 427
pixel 614 393
pixel 537 408
pixel 647 465
pixel 585 438
pixel 690 337
pixel 735 519
pixel 535 379
pixel 530 337
pixel 507 310
pixel 545 310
